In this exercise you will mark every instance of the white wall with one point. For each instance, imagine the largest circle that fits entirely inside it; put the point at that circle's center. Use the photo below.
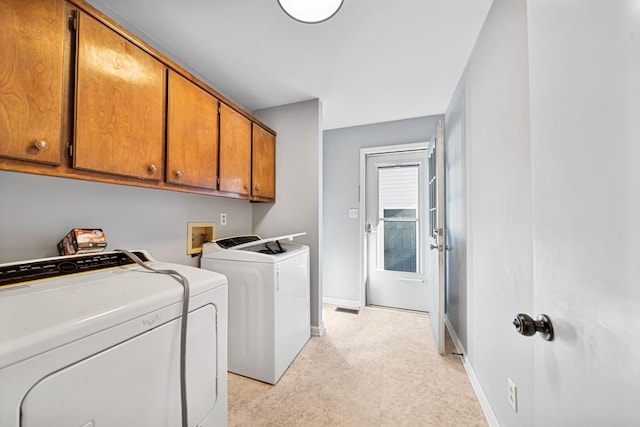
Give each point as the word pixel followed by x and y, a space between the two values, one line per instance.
pixel 298 206
pixel 160 47
pixel 341 192
pixel 497 181
pixel 585 139
pixel 551 100
pixel 37 211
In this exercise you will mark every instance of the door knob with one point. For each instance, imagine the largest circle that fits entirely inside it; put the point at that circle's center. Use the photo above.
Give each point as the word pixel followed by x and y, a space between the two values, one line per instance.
pixel 526 326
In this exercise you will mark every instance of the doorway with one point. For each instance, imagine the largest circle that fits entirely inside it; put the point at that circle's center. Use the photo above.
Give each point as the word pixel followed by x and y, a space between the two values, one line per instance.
pixel 396 224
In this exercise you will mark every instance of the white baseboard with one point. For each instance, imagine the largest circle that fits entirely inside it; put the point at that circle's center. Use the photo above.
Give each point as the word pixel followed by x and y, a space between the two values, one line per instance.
pixel 473 378
pixel 347 303
pixel 317 331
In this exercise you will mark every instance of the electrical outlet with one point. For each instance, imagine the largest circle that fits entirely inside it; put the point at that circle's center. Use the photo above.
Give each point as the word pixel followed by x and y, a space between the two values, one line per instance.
pixel 353 213
pixel 512 394
pixel 223 219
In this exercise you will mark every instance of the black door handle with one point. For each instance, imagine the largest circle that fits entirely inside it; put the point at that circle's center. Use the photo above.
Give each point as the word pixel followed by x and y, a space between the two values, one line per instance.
pixel 526 326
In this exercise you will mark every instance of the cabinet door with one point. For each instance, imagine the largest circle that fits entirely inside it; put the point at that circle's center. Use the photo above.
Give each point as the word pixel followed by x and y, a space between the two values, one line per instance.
pixel 192 134
pixel 31 42
pixel 235 151
pixel 264 163
pixel 119 126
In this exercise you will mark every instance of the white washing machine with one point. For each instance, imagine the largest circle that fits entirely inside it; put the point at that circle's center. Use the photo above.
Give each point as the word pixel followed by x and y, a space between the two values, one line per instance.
pixel 269 320
pixel 94 340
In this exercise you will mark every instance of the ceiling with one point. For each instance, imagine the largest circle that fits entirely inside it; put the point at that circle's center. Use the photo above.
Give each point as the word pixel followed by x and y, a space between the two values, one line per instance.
pixel 374 61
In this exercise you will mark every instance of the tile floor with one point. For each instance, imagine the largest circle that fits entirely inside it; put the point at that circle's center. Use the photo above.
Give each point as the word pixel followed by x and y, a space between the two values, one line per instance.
pixel 377 368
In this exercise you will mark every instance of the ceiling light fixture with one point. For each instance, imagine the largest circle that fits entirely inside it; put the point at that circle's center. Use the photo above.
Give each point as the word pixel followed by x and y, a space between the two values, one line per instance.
pixel 310 11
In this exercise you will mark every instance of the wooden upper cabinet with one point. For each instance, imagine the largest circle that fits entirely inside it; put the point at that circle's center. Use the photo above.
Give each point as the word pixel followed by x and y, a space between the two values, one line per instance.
pixel 235 152
pixel 75 84
pixel 264 164
pixel 120 100
pixel 31 79
pixel 192 134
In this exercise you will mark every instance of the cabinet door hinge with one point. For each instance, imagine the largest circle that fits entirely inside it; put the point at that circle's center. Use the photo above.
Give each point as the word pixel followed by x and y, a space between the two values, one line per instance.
pixel 73 21
pixel 69 149
pixel 218 180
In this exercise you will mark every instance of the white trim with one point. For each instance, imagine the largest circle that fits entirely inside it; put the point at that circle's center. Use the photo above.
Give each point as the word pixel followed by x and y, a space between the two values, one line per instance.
pixel 473 378
pixel 350 303
pixel 394 148
pixel 318 331
pixel 364 152
pixel 362 237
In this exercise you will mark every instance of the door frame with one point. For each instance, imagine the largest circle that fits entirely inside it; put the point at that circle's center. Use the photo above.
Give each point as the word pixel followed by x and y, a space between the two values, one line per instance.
pixel 364 152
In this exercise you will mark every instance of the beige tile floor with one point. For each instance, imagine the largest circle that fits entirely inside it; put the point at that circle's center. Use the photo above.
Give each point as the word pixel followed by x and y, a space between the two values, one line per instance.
pixel 377 368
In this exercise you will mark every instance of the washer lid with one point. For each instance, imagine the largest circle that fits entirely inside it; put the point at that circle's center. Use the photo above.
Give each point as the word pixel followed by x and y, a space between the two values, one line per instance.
pixel 44 314
pixel 252 249
pixel 288 237
pixel 231 242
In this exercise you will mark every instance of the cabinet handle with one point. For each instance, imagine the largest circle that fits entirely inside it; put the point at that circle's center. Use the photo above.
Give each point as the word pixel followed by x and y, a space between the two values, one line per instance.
pixel 257 190
pixel 178 174
pixel 153 168
pixel 42 145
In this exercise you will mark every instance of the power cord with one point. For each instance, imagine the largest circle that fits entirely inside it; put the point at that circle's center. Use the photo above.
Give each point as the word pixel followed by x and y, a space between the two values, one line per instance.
pixel 183 328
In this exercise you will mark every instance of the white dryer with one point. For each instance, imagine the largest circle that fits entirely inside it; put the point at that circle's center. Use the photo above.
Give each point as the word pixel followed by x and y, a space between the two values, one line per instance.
pixel 93 340
pixel 269 319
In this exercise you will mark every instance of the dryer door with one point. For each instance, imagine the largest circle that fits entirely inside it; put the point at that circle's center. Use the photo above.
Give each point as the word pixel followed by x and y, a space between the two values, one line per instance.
pixel 135 383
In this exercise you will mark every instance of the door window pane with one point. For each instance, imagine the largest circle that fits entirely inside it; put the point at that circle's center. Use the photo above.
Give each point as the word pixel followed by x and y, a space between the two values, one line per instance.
pixel 400 246
pixel 432 194
pixel 398 200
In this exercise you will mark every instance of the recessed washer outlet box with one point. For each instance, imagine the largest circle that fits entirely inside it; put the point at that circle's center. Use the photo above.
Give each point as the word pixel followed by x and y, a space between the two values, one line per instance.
pixel 197 234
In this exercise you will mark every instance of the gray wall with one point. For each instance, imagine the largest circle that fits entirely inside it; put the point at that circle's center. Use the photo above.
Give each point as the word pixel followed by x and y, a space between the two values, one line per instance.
pixel 497 209
pixel 456 219
pixel 341 192
pixel 298 187
pixel 37 211
pixel 500 236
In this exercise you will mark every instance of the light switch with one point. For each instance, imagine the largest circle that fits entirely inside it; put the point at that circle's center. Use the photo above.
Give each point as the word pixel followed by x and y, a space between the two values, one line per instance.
pixel 353 213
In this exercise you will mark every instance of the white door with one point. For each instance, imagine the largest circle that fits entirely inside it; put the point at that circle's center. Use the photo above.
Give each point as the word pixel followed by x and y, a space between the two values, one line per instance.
pixel 437 234
pixel 395 200
pixel 585 128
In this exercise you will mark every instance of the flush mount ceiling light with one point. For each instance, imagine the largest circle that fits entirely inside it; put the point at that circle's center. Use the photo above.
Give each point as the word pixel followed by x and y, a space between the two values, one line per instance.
pixel 310 11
